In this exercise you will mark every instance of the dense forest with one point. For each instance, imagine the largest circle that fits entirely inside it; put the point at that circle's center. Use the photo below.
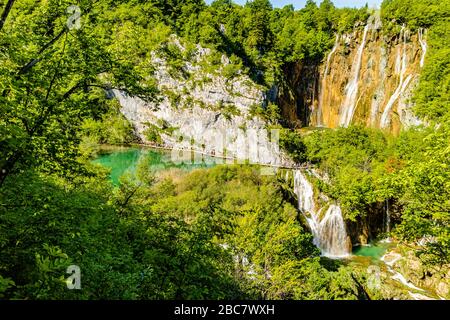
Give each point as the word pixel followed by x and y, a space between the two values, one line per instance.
pixel 226 232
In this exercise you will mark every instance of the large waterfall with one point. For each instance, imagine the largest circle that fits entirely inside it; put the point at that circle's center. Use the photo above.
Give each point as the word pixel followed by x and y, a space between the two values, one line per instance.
pixel 367 78
pixel 329 231
pixel 348 108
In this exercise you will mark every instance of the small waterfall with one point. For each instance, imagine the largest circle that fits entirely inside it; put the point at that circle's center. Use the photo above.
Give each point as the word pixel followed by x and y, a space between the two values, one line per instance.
pixel 418 296
pixel 305 193
pixel 324 82
pixel 332 233
pixel 387 222
pixel 424 45
pixel 403 84
pixel 348 108
pixel 329 233
pixel 388 218
pixel 390 259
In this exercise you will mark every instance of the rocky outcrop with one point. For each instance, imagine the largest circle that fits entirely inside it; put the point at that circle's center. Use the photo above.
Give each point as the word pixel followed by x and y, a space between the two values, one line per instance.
pixel 204 111
pixel 424 282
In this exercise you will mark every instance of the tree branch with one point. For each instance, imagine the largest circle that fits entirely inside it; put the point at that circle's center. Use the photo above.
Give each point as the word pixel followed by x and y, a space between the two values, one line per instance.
pixel 6 13
pixel 33 62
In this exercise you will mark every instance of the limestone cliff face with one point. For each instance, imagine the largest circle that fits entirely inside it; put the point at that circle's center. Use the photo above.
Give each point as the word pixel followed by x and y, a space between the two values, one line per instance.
pixel 204 111
pixel 367 78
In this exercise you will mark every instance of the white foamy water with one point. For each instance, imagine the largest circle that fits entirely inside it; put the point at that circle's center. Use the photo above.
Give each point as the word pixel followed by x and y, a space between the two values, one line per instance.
pixel 402 85
pixel 390 259
pixel 424 45
pixel 348 108
pixel 332 233
pixel 329 232
pixel 399 277
pixel 418 296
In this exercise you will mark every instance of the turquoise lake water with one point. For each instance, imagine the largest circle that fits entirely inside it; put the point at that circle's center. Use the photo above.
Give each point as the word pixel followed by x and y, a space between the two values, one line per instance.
pixel 374 251
pixel 126 160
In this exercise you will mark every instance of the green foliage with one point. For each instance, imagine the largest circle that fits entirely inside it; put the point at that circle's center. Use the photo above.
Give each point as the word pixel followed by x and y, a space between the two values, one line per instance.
pixel 365 168
pixel 136 254
pixel 263 38
pixel 228 110
pixel 168 238
pixel 270 113
pixel 308 280
pixel 5 284
pixel 293 143
pixel 432 95
pixel 426 197
pixel 353 158
pixel 52 78
pixel 232 69
pixel 112 128
pixel 153 133
pixel 415 14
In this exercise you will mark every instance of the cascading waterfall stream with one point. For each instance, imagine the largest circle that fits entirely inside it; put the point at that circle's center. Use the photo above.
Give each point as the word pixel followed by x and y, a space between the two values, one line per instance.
pixel 403 84
pixel 397 276
pixel 398 61
pixel 388 218
pixel 424 45
pixel 324 82
pixel 348 108
pixel 305 193
pixel 380 93
pixel 332 233
pixel 329 233
pixel 387 222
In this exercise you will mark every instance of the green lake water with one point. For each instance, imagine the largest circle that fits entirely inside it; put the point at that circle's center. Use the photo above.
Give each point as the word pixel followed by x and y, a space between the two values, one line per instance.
pixel 125 160
pixel 373 251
